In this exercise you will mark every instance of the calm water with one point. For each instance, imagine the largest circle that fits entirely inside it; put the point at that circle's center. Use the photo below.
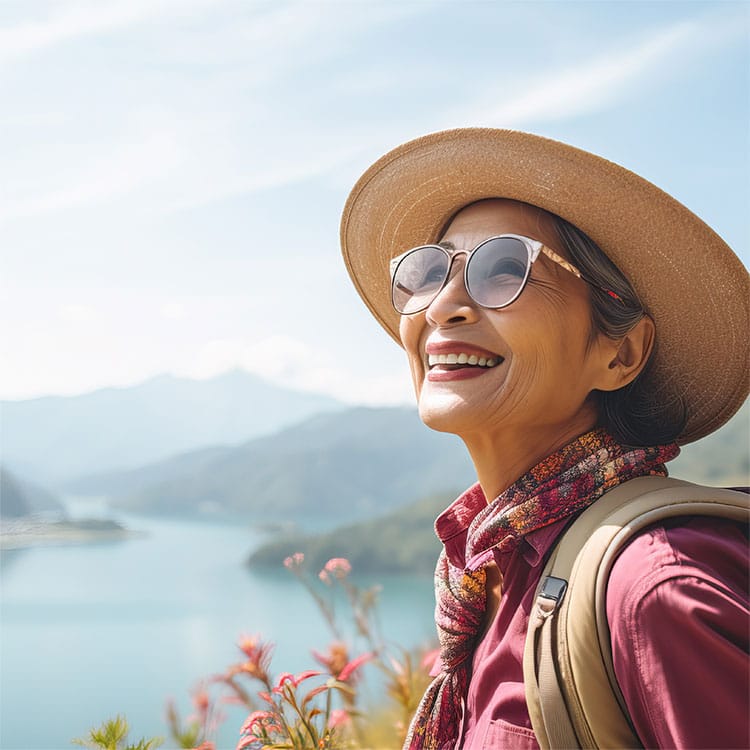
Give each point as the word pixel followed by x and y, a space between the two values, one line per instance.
pixel 91 631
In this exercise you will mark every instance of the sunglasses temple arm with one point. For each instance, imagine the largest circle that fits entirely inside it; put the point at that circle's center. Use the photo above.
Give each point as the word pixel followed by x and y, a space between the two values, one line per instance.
pixel 552 255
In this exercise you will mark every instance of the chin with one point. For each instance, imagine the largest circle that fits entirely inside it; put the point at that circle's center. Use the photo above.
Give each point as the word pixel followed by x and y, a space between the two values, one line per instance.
pixel 447 413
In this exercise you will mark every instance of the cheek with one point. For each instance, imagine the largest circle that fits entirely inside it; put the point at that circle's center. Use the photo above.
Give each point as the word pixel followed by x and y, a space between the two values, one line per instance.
pixel 542 355
pixel 410 330
pixel 553 369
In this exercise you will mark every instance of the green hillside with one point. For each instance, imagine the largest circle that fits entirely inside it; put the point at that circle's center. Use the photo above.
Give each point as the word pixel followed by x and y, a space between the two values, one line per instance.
pixel 721 459
pixel 402 541
pixel 328 470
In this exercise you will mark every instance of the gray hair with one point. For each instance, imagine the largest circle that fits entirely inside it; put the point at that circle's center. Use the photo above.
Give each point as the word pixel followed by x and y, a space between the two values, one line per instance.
pixel 631 414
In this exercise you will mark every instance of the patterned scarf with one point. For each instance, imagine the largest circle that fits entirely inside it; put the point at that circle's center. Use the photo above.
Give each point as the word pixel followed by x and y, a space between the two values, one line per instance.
pixel 561 485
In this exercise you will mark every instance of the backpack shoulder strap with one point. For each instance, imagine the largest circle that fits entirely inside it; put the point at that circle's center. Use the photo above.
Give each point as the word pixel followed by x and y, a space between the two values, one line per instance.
pixel 571 690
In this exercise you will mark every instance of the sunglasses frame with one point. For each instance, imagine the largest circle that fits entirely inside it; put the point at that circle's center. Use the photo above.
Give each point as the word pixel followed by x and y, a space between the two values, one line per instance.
pixel 533 250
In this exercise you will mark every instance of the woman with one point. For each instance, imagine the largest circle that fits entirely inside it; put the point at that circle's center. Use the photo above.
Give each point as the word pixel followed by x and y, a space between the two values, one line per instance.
pixel 571 325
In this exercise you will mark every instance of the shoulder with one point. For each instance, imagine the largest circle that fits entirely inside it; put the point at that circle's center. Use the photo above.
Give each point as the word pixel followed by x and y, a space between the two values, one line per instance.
pixel 677 608
pixel 689 552
pixel 691 572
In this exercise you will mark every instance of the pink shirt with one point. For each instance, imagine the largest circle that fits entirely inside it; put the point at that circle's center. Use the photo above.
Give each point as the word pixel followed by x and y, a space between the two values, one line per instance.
pixel 677 606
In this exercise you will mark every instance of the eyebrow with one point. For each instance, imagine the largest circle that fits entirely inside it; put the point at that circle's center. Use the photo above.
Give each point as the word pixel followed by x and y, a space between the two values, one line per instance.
pixel 449 246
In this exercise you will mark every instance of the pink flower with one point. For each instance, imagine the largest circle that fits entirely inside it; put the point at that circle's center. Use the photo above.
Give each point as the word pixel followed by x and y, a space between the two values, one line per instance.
pixel 339 718
pixel 295 681
pixel 336 658
pixel 336 661
pixel 315 691
pixel 339 567
pixel 257 729
pixel 258 658
pixel 429 659
pixel 255 721
pixel 352 666
pixel 232 700
pixel 294 561
pixel 323 575
pixel 201 701
pixel 283 678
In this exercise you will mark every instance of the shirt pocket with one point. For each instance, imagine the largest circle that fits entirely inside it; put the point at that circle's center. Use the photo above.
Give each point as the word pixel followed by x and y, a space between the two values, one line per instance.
pixel 502 734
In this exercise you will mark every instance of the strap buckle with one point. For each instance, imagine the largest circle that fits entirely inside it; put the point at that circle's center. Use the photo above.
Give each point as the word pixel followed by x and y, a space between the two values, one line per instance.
pixel 551 595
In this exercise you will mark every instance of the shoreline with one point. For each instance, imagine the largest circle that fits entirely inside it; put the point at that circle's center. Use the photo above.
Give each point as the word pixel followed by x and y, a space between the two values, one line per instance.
pixel 21 533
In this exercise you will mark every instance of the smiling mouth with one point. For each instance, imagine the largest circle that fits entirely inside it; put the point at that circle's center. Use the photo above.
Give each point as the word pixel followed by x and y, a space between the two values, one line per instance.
pixel 456 361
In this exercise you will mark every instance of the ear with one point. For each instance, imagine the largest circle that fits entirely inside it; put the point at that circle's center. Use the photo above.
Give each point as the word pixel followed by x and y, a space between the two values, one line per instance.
pixel 626 357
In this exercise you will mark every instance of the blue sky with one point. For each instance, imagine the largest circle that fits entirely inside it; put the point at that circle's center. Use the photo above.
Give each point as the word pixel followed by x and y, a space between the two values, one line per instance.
pixel 173 171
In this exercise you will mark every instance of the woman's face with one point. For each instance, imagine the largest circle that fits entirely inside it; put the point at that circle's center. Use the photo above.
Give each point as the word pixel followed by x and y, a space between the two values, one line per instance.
pixel 546 360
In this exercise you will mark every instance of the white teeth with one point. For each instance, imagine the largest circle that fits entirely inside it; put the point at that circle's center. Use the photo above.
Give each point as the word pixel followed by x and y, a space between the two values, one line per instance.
pixel 462 358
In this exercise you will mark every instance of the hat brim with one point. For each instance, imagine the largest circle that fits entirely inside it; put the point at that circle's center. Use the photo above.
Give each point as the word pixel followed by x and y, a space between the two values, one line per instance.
pixel 691 283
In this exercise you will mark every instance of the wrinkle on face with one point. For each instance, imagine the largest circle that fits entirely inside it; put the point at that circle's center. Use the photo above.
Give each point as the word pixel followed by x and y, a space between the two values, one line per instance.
pixel 539 398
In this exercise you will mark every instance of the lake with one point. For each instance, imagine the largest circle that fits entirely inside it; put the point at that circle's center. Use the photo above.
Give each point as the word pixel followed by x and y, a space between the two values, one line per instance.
pixel 91 631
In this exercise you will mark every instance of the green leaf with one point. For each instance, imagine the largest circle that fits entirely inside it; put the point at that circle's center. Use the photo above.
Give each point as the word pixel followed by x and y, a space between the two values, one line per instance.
pixel 144 744
pixel 108 736
pixel 111 734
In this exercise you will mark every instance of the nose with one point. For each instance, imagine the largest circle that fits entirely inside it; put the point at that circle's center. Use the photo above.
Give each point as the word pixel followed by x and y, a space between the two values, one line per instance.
pixel 452 305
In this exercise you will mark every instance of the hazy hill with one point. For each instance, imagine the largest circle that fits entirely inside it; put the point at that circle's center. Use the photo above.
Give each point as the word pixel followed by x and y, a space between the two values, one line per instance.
pixel 20 498
pixel 130 481
pixel 332 467
pixel 54 439
pixel 404 540
pixel 721 459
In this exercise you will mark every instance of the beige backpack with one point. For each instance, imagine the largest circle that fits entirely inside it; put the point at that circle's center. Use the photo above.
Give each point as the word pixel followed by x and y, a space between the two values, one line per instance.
pixel 571 690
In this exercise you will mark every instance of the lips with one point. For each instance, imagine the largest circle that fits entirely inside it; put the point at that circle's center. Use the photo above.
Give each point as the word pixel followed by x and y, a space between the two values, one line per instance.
pixel 452 356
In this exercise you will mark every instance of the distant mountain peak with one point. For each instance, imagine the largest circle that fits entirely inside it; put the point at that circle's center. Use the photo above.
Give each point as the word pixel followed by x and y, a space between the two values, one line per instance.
pixel 58 438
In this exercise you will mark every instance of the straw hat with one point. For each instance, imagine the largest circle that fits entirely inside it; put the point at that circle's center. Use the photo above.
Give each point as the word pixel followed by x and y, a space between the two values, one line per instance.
pixel 687 277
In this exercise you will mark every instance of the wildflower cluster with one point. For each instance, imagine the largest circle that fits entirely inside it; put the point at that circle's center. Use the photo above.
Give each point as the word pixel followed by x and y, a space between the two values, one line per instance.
pixel 311 710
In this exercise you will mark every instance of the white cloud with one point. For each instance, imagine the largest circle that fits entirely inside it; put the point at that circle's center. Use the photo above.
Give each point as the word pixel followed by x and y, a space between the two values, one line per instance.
pixel 174 311
pixel 197 149
pixel 77 313
pixel 80 19
pixel 279 169
pixel 596 83
pixel 150 151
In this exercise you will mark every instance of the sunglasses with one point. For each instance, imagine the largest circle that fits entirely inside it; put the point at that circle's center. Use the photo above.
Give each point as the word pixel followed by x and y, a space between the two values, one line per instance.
pixel 495 273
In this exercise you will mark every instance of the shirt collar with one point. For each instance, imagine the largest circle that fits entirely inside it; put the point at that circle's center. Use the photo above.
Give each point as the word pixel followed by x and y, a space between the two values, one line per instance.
pixel 536 545
pixel 453 524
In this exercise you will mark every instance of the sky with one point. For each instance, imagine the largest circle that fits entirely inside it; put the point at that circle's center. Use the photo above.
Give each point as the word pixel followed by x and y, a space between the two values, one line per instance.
pixel 173 171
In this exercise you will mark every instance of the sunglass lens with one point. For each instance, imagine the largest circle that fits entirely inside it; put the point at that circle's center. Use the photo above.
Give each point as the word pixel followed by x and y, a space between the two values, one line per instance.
pixel 418 278
pixel 497 271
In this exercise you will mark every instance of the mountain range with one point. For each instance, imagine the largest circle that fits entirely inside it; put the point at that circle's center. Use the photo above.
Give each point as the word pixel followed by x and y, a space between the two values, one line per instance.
pixel 331 468
pixel 337 467
pixel 55 439
pixel 237 446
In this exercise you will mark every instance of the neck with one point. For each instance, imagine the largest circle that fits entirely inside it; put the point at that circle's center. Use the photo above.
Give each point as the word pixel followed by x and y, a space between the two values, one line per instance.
pixel 501 459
